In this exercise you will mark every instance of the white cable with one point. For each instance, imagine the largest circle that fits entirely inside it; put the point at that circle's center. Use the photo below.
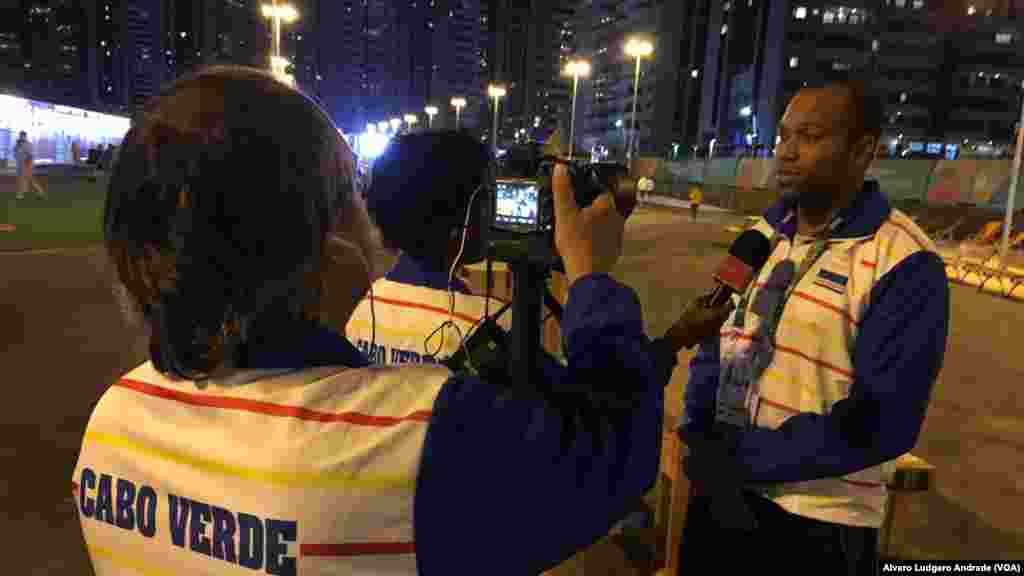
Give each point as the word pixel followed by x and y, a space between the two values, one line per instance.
pixel 451 278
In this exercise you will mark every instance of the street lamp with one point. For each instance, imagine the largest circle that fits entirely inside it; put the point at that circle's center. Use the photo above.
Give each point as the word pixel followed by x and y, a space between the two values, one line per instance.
pixel 431 112
pixel 411 120
pixel 459 104
pixel 396 123
pixel 277 13
pixel 637 49
pixel 496 92
pixel 575 68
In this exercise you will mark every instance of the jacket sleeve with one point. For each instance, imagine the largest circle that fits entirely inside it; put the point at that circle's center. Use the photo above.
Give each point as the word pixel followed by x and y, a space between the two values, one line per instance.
pixel 899 351
pixel 702 388
pixel 513 483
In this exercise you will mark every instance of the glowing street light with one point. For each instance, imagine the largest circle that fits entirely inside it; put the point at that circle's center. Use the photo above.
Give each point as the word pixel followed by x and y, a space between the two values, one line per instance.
pixel 396 123
pixel 431 112
pixel 637 49
pixel 497 92
pixel 575 68
pixel 411 120
pixel 745 111
pixel 278 13
pixel 459 103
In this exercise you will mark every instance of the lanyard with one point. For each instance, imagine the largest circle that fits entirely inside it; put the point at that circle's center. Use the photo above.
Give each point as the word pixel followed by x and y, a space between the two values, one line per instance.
pixel 771 322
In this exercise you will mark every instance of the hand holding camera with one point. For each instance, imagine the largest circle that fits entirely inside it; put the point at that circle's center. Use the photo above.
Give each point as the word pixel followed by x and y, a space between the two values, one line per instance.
pixel 589 239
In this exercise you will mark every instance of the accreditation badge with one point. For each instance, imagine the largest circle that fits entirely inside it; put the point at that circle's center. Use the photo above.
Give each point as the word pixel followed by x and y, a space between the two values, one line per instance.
pixel 734 384
pixel 731 403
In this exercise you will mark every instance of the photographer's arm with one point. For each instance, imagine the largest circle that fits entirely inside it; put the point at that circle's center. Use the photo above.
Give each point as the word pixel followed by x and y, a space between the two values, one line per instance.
pixel 513 484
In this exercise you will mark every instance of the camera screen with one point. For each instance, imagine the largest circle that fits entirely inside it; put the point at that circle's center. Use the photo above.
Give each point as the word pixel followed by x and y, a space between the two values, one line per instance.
pixel 516 204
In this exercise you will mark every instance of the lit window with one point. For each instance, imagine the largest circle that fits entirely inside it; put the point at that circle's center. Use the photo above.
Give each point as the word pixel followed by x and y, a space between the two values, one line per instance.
pixel 694 73
pixel 903 96
pixel 725 29
pixel 918 4
pixel 794 62
pixel 103 42
pixel 184 34
pixel 874 45
pixel 828 17
pixel 971 10
pixel 800 13
pixel 1004 38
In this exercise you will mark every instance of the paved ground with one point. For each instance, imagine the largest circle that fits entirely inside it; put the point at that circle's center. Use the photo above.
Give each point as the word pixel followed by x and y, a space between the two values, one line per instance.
pixel 62 342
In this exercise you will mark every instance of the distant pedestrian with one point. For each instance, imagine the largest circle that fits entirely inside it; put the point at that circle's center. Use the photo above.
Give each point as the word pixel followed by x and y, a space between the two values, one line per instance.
pixel 696 197
pixel 23 160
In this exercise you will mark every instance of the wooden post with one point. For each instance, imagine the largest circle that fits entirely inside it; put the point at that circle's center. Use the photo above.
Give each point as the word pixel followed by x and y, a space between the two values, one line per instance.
pixel 911 476
pixel 679 501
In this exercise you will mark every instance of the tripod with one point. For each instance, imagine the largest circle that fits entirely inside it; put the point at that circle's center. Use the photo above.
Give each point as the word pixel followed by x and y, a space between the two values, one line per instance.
pixel 514 359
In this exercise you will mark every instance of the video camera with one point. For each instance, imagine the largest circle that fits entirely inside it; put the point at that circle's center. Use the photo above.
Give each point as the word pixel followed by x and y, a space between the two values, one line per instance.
pixel 522 235
pixel 523 199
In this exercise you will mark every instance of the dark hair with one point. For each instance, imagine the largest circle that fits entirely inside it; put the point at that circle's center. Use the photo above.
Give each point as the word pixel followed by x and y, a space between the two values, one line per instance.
pixel 865 112
pixel 218 210
pixel 420 189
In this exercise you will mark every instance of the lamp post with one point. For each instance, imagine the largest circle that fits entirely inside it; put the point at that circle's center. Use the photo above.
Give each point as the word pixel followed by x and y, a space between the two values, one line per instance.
pixel 1011 194
pixel 637 49
pixel 459 103
pixel 431 112
pixel 411 120
pixel 278 13
pixel 496 92
pixel 575 68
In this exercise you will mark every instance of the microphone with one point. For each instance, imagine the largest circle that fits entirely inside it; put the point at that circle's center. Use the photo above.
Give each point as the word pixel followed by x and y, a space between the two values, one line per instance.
pixel 746 257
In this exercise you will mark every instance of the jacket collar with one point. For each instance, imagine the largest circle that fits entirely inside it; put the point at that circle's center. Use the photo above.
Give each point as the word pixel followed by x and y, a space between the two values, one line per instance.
pixel 870 209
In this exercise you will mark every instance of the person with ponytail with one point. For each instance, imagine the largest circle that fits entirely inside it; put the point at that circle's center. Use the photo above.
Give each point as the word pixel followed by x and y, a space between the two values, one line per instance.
pixel 257 438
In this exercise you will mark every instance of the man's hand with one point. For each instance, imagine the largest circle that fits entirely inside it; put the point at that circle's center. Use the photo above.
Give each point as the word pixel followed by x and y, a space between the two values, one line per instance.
pixel 713 472
pixel 589 239
pixel 697 323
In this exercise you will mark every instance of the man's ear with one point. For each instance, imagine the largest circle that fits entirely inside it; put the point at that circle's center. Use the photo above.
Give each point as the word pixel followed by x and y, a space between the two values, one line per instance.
pixel 864 151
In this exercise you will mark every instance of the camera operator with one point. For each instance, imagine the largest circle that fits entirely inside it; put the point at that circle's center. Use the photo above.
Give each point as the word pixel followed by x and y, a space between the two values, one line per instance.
pixel 410 314
pixel 255 437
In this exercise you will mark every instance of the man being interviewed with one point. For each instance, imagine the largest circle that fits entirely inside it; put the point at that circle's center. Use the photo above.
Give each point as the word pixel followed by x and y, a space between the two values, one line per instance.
pixel 421 310
pixel 822 376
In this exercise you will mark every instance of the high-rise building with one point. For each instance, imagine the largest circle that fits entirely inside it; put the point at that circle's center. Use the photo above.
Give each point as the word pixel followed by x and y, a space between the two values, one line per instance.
pixel 143 72
pixel 107 25
pixel 44 50
pixel 204 32
pixel 682 30
pixel 390 58
pixel 604 28
pixel 949 72
pixel 533 39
